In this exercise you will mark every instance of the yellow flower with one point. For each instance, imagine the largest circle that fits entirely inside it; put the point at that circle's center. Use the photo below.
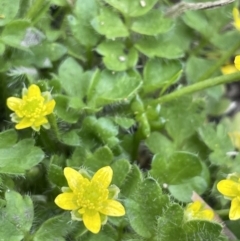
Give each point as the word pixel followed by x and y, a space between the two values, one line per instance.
pixel 229 69
pixel 197 210
pixel 90 200
pixel 235 138
pixel 237 62
pixel 236 18
pixel 32 109
pixel 230 188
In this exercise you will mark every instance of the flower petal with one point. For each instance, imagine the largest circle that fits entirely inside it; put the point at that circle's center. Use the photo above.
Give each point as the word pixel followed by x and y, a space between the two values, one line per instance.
pixel 24 123
pixel 237 62
pixel 112 208
pixel 40 121
pixel 228 188
pixel 194 207
pixel 66 201
pixel 206 214
pixel 49 107
pixel 235 138
pixel 236 18
pixel 234 213
pixel 33 91
pixel 74 178
pixel 228 69
pixel 103 176
pixel 92 221
pixel 13 103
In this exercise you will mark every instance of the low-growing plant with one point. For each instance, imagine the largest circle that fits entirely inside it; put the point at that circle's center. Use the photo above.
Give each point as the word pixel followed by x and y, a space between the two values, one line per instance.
pixel 117 122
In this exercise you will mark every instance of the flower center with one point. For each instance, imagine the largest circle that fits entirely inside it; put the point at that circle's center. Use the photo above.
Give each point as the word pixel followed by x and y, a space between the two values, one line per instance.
pixel 32 107
pixel 91 195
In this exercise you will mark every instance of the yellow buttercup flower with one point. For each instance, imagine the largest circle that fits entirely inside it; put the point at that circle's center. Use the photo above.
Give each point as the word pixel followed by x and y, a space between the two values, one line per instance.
pixel 32 109
pixel 235 138
pixel 197 210
pixel 230 188
pixel 237 62
pixel 229 69
pixel 236 18
pixel 91 200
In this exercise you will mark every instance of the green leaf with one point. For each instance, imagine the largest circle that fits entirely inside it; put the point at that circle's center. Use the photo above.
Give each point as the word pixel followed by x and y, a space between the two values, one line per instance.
pixel 169 224
pixel 132 8
pixel 146 205
pixel 53 51
pixel 71 138
pixel 84 33
pixel 109 23
pixel 14 33
pixel 113 87
pixel 55 175
pixel 9 10
pixel 199 22
pixel 163 45
pixel 70 72
pixel 201 64
pixel 8 138
pixel 152 23
pixel 20 157
pixel 158 143
pixel 63 109
pixel 183 191
pixel 121 169
pixel 103 156
pixel 176 169
pixel 202 230
pixel 115 56
pixel 2 48
pixel 183 118
pixel 55 228
pixel 124 122
pixel 132 183
pixel 16 217
pixel 159 73
pixel 218 141
pixel 78 157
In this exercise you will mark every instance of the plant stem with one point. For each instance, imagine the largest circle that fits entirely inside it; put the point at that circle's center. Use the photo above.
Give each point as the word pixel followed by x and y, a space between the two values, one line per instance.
pixel 223 79
pixel 54 127
pixel 222 213
pixel 220 62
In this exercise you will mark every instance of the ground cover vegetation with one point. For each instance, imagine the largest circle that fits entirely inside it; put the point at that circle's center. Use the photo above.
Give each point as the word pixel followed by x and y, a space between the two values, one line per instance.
pixel 119 120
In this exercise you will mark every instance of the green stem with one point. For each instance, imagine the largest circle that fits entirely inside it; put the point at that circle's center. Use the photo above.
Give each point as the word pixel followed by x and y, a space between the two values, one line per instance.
pixel 220 62
pixel 223 79
pixel 222 213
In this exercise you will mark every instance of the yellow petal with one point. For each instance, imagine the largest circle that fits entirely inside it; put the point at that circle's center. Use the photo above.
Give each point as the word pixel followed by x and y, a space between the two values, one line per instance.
pixel 195 206
pixel 74 178
pixel 92 221
pixel 229 69
pixel 66 201
pixel 113 208
pixel 24 123
pixel 235 138
pixel 50 106
pixel 103 176
pixel 228 188
pixel 33 91
pixel 13 103
pixel 236 18
pixel 237 62
pixel 40 121
pixel 206 214
pixel 234 213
